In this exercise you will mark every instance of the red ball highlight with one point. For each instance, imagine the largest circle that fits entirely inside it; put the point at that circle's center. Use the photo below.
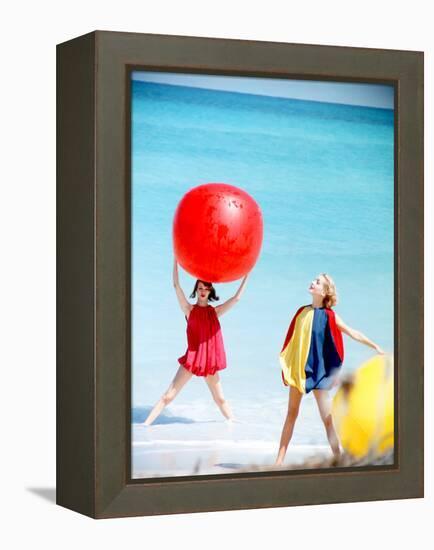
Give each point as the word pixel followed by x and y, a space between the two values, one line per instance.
pixel 217 232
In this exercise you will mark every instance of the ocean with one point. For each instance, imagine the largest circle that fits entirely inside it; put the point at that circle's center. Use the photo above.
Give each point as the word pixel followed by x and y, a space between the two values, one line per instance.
pixel 323 175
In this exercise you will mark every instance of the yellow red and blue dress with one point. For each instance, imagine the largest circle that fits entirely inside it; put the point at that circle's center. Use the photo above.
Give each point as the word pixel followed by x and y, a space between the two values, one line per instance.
pixel 313 351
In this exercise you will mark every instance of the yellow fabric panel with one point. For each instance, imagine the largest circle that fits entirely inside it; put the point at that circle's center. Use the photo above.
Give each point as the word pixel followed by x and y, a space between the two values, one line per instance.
pixel 294 357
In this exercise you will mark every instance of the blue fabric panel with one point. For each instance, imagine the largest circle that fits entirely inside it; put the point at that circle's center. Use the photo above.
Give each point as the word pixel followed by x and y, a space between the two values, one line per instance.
pixel 323 359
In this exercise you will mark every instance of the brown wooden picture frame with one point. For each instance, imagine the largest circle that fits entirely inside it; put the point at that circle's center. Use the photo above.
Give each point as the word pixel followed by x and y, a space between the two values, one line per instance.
pixel 93 278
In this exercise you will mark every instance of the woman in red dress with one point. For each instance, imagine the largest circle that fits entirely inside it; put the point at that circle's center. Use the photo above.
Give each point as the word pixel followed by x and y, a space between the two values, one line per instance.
pixel 205 355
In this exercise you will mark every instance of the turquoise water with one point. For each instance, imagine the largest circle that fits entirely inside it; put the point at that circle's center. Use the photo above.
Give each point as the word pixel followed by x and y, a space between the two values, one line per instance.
pixel 323 177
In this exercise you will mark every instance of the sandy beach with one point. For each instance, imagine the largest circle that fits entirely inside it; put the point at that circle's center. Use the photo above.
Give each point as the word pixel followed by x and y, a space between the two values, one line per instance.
pixel 209 447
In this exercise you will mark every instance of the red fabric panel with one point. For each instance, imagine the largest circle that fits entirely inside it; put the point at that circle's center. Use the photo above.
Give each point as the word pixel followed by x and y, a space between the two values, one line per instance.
pixel 336 333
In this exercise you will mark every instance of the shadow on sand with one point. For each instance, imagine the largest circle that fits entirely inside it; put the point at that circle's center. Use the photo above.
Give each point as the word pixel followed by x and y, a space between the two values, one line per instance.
pixel 140 414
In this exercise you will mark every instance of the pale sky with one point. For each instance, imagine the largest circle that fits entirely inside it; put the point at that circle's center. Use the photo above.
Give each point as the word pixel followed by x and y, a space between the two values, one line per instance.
pixel 368 95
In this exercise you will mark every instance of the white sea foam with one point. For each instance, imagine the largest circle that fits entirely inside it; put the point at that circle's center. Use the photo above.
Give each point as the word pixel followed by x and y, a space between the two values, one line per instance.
pixel 222 443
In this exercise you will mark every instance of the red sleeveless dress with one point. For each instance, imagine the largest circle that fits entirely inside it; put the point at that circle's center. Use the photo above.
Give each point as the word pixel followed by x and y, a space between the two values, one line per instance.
pixel 205 350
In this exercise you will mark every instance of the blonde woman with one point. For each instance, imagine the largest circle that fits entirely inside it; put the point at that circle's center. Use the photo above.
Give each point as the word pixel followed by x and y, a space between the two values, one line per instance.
pixel 311 357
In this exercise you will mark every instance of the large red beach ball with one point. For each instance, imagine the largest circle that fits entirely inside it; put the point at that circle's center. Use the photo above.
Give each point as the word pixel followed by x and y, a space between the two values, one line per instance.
pixel 217 232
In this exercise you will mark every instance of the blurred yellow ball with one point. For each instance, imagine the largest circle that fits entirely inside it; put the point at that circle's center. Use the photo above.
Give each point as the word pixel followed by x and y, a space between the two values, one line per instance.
pixel 363 409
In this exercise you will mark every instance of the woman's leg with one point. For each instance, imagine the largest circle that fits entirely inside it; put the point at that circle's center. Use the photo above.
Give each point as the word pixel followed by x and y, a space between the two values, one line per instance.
pixel 216 390
pixel 325 410
pixel 181 378
pixel 293 407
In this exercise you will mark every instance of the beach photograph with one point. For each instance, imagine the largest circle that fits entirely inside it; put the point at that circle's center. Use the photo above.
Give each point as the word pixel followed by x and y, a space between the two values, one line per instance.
pixel 262 274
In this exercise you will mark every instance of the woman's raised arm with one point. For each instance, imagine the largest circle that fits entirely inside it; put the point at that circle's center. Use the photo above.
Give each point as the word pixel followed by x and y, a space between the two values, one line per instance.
pixel 185 305
pixel 223 308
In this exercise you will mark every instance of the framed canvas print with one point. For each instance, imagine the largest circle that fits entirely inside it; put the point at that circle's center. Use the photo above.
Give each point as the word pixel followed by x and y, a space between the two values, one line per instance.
pixel 240 274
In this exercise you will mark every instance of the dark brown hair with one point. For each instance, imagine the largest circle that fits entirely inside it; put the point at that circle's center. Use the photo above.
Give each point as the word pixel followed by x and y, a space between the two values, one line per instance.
pixel 212 297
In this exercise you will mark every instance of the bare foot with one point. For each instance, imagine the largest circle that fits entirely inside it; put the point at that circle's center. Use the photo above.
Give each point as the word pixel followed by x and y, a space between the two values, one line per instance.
pixel 337 455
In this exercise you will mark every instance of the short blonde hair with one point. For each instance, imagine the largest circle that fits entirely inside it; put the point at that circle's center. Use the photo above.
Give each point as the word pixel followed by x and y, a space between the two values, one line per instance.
pixel 331 297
